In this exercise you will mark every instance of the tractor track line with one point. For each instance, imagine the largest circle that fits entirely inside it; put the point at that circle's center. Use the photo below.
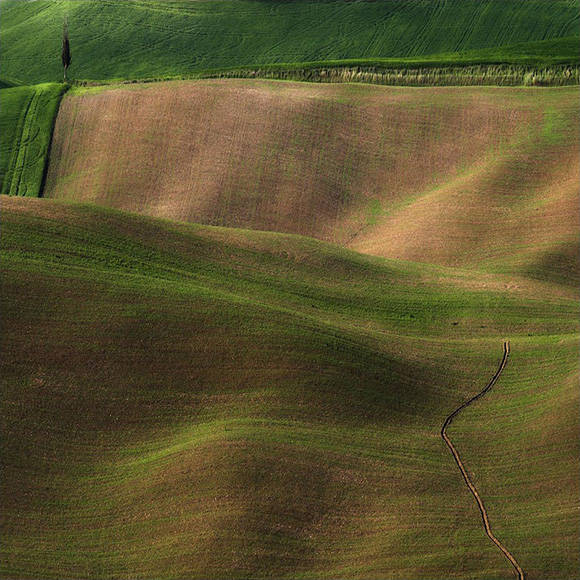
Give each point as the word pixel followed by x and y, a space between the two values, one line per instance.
pixel 468 482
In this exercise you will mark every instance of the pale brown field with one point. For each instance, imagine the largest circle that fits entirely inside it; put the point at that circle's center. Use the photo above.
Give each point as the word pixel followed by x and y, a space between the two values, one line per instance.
pixel 453 176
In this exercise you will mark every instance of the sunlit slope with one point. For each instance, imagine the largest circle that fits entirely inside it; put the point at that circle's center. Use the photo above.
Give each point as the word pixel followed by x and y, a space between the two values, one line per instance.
pixel 27 115
pixel 476 177
pixel 541 381
pixel 515 211
pixel 136 39
pixel 182 401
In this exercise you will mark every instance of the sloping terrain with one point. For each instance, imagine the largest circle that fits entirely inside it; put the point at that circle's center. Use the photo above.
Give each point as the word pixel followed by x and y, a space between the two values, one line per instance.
pixel 184 401
pixel 27 115
pixel 137 39
pixel 264 399
pixel 470 177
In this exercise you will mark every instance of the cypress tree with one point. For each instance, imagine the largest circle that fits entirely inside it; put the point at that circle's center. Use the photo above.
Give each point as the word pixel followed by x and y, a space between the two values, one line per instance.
pixel 66 59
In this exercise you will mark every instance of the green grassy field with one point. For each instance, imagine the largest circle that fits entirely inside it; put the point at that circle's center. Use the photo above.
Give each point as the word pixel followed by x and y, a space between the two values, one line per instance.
pixel 139 39
pixel 542 63
pixel 188 402
pixel 27 115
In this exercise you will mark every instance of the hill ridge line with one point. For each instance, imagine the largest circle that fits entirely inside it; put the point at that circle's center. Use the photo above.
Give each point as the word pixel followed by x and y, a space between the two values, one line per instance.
pixel 468 482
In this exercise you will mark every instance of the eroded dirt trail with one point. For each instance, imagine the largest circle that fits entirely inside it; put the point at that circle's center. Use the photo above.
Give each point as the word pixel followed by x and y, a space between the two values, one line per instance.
pixel 472 489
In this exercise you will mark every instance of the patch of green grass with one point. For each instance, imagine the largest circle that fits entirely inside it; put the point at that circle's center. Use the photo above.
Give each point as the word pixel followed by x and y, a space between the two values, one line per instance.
pixel 374 211
pixel 188 401
pixel 549 52
pixel 27 115
pixel 143 39
pixel 555 125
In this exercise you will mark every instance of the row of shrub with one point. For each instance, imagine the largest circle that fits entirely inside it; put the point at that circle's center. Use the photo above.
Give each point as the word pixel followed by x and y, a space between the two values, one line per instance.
pixel 507 75
pixel 473 75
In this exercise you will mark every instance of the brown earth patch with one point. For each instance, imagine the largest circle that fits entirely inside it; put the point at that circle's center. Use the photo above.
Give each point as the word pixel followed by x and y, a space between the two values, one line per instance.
pixel 340 163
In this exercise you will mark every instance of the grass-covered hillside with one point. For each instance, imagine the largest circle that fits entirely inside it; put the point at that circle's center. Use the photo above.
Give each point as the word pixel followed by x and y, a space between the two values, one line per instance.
pixel 480 178
pixel 27 115
pixel 137 39
pixel 237 318
pixel 184 401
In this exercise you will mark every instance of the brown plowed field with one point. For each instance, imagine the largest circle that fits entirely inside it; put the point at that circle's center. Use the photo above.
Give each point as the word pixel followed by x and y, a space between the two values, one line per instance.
pixel 415 174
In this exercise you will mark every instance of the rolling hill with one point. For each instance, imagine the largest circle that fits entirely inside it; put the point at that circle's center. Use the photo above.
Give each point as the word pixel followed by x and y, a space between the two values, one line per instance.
pixel 243 308
pixel 136 39
pixel 469 177
pixel 191 401
pixel 6 83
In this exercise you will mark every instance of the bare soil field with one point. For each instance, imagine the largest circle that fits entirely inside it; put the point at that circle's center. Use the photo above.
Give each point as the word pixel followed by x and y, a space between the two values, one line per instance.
pixel 415 174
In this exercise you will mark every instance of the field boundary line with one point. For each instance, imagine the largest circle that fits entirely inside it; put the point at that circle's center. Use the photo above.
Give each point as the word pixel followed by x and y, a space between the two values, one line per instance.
pixel 468 482
pixel 44 175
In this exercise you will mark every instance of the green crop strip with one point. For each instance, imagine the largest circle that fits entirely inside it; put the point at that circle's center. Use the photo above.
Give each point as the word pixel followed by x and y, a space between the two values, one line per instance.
pixel 27 115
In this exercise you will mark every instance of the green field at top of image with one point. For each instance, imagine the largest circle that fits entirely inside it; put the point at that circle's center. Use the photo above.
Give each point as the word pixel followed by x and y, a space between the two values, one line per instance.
pixel 140 39
pixel 558 52
pixel 192 401
pixel 27 115
pixel 539 53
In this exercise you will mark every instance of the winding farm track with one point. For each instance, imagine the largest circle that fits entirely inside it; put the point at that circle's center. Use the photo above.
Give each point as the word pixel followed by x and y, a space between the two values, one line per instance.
pixel 472 488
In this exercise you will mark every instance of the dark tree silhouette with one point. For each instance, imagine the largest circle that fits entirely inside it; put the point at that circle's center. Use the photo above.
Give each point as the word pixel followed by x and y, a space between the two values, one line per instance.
pixel 66 59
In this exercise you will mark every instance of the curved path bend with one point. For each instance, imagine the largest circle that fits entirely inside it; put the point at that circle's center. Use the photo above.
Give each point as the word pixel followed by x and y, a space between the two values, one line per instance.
pixel 468 482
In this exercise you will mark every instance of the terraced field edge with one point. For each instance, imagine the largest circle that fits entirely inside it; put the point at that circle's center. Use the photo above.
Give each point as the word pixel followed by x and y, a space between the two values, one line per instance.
pixel 475 75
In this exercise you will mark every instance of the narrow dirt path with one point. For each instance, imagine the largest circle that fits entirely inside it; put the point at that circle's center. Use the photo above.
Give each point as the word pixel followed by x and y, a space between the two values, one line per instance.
pixel 472 489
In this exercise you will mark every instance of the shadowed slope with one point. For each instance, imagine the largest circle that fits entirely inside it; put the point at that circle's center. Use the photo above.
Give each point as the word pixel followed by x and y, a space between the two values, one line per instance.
pixel 403 173
pixel 7 83
pixel 190 402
